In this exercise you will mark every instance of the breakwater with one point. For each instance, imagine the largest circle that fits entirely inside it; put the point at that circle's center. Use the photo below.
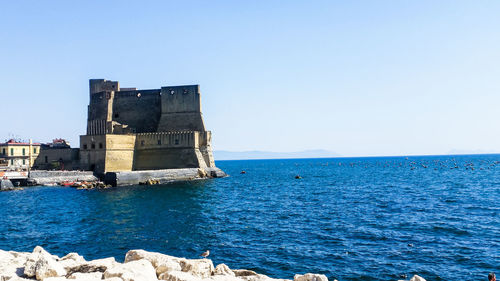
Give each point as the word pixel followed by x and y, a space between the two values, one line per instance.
pixel 139 265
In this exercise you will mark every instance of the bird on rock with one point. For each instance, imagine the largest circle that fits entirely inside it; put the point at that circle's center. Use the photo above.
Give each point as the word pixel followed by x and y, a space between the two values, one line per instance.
pixel 205 254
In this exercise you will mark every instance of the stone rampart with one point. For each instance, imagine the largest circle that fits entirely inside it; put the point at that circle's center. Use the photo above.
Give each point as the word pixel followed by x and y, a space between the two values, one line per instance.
pixel 48 177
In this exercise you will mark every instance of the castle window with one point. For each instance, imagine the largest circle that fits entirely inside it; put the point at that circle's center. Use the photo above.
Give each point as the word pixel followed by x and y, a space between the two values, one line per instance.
pixel 159 142
pixel 92 146
pixel 176 142
pixel 46 159
pixel 84 146
pixel 142 143
pixel 117 115
pixel 100 145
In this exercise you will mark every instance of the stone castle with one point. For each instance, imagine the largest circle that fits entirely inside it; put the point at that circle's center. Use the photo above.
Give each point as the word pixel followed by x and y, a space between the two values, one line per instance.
pixel 132 130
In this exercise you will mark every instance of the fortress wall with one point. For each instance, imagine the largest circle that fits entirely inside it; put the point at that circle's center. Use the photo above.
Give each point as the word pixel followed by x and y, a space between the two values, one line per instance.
pixel 98 106
pixel 139 110
pixel 167 150
pixel 100 85
pixel 205 140
pixel 92 152
pixel 167 140
pixel 119 152
pixel 181 109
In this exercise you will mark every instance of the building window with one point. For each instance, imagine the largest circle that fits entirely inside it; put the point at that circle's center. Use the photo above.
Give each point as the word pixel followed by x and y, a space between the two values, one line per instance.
pixel 12 161
pixel 100 145
pixel 24 151
pixel 142 143
pixel 34 150
pixel 159 142
pixel 24 162
pixel 176 142
pixel 11 151
pixel 3 151
pixel 117 115
pixel 46 159
pixel 84 146
pixel 92 146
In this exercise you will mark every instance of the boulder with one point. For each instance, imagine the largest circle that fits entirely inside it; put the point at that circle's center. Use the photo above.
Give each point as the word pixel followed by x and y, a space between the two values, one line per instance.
pixel 178 276
pixel 41 264
pixel 224 278
pixel 100 265
pixel 6 185
pixel 223 269
pixel 199 267
pixel 72 260
pixel 417 278
pixel 48 267
pixel 77 276
pixel 139 270
pixel 161 263
pixel 11 265
pixel 310 277
pixel 244 272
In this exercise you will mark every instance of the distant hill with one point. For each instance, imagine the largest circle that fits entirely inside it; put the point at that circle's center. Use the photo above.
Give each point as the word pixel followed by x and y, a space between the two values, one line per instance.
pixel 242 155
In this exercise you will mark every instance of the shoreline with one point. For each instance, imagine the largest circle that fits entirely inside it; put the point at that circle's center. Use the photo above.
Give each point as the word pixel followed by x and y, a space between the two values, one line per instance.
pixel 138 265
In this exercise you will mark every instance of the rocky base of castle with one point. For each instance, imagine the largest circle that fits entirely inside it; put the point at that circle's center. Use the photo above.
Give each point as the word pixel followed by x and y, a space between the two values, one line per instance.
pixel 139 265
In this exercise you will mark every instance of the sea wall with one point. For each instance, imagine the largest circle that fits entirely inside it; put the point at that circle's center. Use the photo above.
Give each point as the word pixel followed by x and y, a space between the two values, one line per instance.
pixel 139 265
pixel 48 177
pixel 161 176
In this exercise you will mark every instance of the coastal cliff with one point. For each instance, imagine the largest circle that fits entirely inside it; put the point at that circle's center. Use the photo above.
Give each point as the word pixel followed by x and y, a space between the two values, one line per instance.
pixel 139 265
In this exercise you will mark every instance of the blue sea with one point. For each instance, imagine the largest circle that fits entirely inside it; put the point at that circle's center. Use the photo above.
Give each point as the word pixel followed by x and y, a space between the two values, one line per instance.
pixel 379 218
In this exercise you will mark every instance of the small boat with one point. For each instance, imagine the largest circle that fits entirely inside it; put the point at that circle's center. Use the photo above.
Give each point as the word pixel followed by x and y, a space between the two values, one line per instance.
pixel 67 183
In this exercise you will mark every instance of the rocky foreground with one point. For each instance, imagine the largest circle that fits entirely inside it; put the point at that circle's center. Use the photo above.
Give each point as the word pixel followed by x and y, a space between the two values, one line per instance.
pixel 139 265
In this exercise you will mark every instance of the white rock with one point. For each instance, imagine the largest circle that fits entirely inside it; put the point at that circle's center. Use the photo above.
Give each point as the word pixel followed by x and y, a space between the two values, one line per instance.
pixel 223 269
pixel 224 278
pixel 73 256
pixel 78 276
pixel 200 267
pixel 162 263
pixel 55 279
pixel 310 277
pixel 100 265
pixel 48 267
pixel 139 270
pixel 12 265
pixel 42 265
pixel 178 276
pixel 113 279
pixel 4 256
pixel 417 278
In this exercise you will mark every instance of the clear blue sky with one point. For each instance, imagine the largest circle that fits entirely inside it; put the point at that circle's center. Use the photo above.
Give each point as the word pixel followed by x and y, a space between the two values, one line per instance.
pixel 354 77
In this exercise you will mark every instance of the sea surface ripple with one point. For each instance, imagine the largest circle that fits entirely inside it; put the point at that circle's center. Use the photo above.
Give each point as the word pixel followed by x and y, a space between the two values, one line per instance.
pixel 380 218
